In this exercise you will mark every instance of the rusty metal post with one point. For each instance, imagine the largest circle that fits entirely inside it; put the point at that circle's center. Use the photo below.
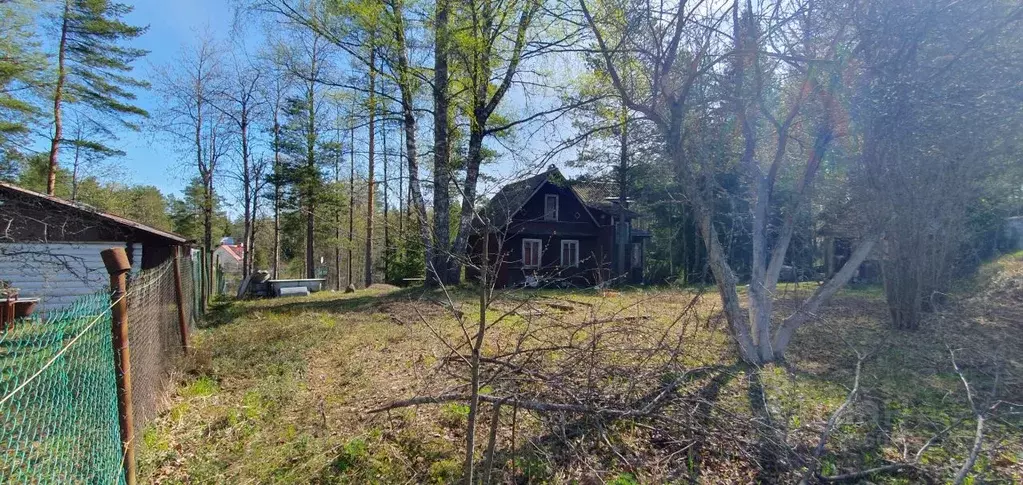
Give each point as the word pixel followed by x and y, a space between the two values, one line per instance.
pixel 179 296
pixel 116 262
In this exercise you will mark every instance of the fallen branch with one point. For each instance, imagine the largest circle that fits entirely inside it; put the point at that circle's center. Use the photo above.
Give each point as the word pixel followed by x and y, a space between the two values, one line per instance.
pixel 848 477
pixel 560 306
pixel 978 437
pixel 978 441
pixel 519 403
pixel 633 318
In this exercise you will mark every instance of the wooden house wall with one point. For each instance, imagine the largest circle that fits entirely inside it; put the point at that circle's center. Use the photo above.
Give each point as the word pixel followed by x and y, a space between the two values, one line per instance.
pixel 595 236
pixel 569 207
pixel 59 273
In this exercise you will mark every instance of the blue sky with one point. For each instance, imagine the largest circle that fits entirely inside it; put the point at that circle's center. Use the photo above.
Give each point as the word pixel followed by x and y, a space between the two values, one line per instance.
pixel 174 25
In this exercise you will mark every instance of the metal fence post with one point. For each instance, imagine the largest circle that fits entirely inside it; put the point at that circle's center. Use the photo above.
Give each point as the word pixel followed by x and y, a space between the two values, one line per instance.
pixel 116 262
pixel 179 297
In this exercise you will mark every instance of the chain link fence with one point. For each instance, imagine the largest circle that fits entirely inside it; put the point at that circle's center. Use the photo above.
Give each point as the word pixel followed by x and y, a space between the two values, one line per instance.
pixel 190 279
pixel 59 403
pixel 58 388
pixel 154 336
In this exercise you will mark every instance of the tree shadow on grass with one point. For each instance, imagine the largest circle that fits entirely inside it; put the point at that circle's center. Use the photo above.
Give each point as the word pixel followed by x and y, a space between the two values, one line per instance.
pixel 707 399
pixel 222 312
pixel 770 452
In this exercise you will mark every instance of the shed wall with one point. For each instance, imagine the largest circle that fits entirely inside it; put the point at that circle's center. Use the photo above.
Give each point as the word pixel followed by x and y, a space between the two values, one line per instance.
pixel 59 273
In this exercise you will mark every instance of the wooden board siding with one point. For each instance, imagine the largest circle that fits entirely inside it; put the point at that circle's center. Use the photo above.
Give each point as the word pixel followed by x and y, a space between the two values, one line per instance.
pixel 569 207
pixel 592 227
pixel 59 273
pixel 550 261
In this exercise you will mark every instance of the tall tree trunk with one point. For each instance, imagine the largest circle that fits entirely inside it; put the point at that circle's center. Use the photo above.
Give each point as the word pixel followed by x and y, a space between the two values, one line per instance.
pixel 409 119
pixel 726 283
pixel 761 294
pixel 277 198
pixel 253 228
pixel 387 205
pixel 75 165
pixel 207 222
pixel 58 94
pixel 401 184
pixel 247 194
pixel 310 225
pixel 206 173
pixel 351 210
pixel 337 213
pixel 370 183
pixel 441 167
pixel 472 174
pixel 484 102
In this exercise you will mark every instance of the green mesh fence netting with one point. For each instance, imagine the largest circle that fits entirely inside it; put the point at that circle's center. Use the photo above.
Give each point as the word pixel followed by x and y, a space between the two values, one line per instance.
pixel 58 397
pixel 58 393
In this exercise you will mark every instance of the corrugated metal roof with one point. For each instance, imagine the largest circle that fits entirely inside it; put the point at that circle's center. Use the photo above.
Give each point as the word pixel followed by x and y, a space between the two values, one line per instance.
pixel 92 211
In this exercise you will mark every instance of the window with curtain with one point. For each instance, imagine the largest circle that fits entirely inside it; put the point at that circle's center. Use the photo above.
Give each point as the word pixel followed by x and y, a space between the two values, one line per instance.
pixel 531 252
pixel 569 253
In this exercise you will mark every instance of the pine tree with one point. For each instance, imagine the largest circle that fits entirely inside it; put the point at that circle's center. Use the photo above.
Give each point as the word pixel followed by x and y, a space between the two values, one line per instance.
pixel 94 68
pixel 20 66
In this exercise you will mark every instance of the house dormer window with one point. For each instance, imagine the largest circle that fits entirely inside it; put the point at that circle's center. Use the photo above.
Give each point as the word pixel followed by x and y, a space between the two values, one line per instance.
pixel 550 207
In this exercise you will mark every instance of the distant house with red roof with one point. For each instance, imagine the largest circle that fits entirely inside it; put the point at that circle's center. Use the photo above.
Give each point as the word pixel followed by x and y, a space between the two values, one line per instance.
pixel 229 257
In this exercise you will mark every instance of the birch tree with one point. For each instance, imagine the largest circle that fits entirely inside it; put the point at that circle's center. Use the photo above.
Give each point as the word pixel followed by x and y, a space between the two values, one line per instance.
pixel 188 90
pixel 241 104
pixel 491 46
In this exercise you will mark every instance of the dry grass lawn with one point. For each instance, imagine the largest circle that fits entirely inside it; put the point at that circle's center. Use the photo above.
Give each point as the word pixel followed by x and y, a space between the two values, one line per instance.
pixel 279 391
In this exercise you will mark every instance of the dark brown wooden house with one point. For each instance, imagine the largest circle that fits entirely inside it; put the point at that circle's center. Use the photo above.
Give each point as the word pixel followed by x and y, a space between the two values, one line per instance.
pixel 542 233
pixel 50 247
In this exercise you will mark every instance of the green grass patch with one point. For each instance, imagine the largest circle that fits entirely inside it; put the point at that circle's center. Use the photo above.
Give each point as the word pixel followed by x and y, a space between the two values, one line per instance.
pixel 280 390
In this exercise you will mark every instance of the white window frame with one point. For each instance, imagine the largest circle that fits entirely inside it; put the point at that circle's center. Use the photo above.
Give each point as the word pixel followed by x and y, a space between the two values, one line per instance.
pixel 538 252
pixel 570 264
pixel 547 214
